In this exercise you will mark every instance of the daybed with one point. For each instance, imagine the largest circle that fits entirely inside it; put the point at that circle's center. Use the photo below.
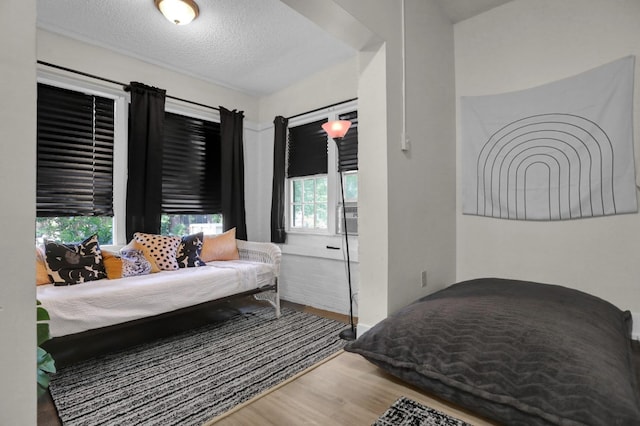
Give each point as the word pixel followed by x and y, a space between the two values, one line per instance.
pixel 93 305
pixel 517 352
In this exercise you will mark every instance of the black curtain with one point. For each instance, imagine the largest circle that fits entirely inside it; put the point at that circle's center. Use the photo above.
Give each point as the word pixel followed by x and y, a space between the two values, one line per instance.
pixel 278 234
pixel 232 172
pixel 144 183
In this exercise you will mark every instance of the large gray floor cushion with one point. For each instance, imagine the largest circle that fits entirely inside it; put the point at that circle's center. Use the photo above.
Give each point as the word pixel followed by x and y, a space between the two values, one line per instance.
pixel 520 353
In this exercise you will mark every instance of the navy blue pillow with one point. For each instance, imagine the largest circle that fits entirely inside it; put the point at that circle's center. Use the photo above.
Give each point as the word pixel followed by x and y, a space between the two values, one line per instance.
pixel 69 264
pixel 188 254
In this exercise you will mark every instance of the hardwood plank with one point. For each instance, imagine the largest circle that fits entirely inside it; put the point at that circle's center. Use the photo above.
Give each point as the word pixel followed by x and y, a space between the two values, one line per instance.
pixel 346 390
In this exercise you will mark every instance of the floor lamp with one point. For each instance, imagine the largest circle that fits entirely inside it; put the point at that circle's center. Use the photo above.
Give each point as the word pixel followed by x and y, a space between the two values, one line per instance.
pixel 336 131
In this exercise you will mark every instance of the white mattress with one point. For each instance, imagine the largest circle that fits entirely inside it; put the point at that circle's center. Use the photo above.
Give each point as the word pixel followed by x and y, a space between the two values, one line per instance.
pixel 96 304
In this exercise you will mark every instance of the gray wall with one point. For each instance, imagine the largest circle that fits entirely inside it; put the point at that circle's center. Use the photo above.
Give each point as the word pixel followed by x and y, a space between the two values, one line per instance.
pixel 549 40
pixel 17 191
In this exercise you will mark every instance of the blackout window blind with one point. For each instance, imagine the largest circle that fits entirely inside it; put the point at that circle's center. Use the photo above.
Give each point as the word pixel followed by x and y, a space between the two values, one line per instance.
pixel 190 166
pixel 307 150
pixel 74 153
pixel 348 146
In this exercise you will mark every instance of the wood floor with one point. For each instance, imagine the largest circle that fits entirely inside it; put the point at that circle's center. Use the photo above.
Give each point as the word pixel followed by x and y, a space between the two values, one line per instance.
pixel 345 390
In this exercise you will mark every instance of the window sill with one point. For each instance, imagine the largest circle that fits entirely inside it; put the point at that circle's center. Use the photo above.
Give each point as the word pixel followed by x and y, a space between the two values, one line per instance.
pixel 320 246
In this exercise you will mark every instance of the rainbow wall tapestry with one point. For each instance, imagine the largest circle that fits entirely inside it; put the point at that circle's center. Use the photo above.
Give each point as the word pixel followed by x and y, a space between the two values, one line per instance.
pixel 559 151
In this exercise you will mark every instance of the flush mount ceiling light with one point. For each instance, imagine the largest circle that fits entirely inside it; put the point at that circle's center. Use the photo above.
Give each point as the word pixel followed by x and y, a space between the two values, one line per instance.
pixel 180 12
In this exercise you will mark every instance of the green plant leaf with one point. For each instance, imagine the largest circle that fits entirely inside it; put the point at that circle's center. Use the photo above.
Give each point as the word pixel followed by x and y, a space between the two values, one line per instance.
pixel 45 361
pixel 43 379
pixel 42 314
pixel 43 332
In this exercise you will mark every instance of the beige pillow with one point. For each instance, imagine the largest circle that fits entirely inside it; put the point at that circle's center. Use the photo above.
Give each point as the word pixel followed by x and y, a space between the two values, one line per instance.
pixel 220 247
pixel 42 276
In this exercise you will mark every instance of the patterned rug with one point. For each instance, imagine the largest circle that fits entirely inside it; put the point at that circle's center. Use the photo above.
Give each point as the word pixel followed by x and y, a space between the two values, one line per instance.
pixel 192 377
pixel 407 412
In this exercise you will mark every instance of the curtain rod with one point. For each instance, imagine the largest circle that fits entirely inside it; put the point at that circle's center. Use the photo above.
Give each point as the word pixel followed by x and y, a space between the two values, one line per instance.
pixel 321 108
pixel 119 83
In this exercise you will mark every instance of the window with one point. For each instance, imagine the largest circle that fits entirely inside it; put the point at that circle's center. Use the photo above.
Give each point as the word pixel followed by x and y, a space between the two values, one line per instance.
pixel 313 164
pixel 307 172
pixel 309 202
pixel 348 158
pixel 190 176
pixel 350 186
pixel 75 152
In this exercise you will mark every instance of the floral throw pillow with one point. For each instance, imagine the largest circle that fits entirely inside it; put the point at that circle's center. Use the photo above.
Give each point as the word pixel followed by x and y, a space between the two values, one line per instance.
pixel 162 248
pixel 189 250
pixel 69 264
pixel 127 263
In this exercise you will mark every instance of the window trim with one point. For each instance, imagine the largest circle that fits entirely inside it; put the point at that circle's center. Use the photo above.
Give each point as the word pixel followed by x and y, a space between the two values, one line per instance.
pixel 65 80
pixel 333 180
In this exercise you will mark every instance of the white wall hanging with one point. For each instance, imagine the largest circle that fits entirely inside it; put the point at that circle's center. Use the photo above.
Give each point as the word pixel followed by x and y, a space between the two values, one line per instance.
pixel 559 151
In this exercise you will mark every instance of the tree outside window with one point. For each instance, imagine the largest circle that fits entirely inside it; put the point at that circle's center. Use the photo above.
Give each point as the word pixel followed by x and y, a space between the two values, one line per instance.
pixel 309 202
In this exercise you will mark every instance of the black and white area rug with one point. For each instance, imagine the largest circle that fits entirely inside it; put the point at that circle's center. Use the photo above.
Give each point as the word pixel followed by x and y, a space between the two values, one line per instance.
pixel 192 377
pixel 407 412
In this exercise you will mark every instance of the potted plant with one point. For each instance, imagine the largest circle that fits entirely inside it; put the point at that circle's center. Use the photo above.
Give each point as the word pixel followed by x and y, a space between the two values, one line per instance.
pixel 46 364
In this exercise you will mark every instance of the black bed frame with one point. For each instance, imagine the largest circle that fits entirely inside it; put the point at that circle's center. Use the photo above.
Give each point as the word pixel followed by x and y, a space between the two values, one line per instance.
pixel 76 347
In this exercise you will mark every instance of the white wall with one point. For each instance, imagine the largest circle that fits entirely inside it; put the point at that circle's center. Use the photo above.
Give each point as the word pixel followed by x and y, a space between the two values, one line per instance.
pixel 77 55
pixel 416 188
pixel 332 85
pixel 311 274
pixel 422 180
pixel 373 212
pixel 523 44
pixel 17 191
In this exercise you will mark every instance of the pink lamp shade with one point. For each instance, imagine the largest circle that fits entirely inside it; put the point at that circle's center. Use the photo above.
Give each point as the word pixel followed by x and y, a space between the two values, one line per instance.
pixel 336 129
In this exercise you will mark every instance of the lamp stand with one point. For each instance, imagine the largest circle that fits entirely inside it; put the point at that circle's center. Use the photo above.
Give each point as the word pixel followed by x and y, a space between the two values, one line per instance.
pixel 349 333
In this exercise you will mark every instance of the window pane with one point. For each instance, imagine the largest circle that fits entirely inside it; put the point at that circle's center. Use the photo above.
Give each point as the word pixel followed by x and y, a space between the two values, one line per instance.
pixel 309 219
pixel 321 215
pixel 321 190
pixel 309 190
pixel 297 191
pixel 297 216
pixel 186 224
pixel 74 229
pixel 308 208
pixel 351 186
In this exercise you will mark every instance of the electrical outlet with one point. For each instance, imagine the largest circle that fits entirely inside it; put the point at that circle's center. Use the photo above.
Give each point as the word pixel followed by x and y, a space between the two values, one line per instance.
pixel 423 278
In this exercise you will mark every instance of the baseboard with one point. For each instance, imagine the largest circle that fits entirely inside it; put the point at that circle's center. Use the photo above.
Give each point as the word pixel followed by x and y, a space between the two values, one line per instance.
pixel 362 328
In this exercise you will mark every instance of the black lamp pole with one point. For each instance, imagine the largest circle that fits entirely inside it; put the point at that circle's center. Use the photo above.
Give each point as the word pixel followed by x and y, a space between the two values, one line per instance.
pixel 349 333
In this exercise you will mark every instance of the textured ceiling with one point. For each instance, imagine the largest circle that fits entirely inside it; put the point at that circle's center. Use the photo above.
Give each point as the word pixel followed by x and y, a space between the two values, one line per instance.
pixel 254 46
